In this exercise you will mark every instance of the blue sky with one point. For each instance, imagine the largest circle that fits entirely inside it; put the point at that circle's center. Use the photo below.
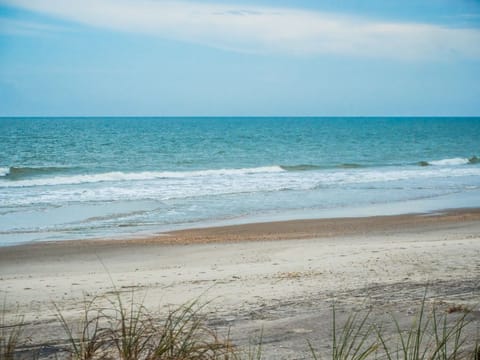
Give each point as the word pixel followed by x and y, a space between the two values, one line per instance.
pixel 238 58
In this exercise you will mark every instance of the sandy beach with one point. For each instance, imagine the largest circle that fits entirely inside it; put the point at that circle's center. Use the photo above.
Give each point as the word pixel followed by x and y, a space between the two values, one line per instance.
pixel 280 278
pixel 239 180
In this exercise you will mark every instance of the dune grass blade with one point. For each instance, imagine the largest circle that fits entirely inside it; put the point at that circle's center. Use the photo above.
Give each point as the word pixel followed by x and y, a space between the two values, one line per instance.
pixel 352 340
pixel 10 336
pixel 89 341
pixel 255 351
pixel 476 351
pixel 10 333
pixel 126 330
pixel 428 338
pixel 449 340
pixel 184 335
pixel 131 328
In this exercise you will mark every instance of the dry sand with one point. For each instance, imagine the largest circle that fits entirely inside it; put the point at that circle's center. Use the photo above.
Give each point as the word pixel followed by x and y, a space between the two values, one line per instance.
pixel 280 277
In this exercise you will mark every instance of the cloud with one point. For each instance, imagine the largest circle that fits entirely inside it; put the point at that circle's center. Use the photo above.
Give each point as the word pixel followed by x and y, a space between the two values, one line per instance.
pixel 27 28
pixel 262 29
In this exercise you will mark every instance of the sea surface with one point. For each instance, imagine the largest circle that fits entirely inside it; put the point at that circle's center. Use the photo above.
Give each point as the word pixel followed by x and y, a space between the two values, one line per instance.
pixel 78 178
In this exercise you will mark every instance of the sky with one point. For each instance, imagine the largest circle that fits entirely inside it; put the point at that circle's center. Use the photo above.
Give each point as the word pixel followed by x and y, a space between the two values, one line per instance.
pixel 239 58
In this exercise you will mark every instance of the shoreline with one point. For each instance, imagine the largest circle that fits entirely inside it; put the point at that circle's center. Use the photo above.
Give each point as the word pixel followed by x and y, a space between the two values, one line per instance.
pixel 265 231
pixel 84 221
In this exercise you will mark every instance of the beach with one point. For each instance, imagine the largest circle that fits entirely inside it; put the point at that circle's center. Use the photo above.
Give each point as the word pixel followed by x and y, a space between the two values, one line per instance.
pixel 278 278
pixel 235 180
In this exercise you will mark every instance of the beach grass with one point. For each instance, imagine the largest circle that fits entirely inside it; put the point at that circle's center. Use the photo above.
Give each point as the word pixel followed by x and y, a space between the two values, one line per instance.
pixel 351 340
pixel 431 336
pixel 85 337
pixel 115 328
pixel 127 330
pixel 10 334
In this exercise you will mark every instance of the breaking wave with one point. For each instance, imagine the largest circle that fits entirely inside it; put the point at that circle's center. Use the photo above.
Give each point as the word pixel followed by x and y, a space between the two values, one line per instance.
pixel 451 162
pixel 117 176
pixel 302 167
pixel 17 172
pixel 307 167
pixel 350 166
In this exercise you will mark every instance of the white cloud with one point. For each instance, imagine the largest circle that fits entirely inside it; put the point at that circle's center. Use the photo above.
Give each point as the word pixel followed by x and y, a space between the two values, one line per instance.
pixel 266 29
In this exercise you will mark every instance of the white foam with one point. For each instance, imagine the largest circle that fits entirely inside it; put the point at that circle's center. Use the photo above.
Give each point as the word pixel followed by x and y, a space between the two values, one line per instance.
pixel 218 183
pixel 4 171
pixel 369 176
pixel 145 175
pixel 449 162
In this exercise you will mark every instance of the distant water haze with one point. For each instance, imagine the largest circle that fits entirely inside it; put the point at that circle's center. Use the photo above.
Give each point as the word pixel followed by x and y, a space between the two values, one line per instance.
pixel 76 178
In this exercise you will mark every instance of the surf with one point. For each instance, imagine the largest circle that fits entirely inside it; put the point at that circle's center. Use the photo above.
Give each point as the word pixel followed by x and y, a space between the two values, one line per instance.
pixel 25 172
pixel 451 161
pixel 119 176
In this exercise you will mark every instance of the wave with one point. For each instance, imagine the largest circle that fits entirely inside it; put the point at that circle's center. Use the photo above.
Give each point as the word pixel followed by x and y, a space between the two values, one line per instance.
pixel 287 176
pixel 302 167
pixel 118 176
pixel 308 167
pixel 263 180
pixel 388 176
pixel 474 160
pixel 17 172
pixel 350 166
pixel 451 162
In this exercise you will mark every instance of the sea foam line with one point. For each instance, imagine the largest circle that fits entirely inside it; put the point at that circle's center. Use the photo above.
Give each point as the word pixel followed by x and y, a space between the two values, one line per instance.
pixel 117 176
pixel 450 162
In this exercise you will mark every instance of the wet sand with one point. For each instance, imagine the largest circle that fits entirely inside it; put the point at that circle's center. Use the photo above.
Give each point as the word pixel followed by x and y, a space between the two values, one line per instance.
pixel 280 277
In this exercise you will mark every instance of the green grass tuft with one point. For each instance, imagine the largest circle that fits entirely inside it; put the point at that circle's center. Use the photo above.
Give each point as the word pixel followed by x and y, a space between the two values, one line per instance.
pixel 117 328
pixel 352 340
pixel 430 337
pixel 10 334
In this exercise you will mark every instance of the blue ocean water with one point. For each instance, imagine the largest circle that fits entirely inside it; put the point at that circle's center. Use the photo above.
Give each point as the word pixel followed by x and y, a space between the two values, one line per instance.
pixel 71 178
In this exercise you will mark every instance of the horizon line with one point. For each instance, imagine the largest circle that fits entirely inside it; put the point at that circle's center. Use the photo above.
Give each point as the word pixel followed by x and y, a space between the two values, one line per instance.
pixel 230 116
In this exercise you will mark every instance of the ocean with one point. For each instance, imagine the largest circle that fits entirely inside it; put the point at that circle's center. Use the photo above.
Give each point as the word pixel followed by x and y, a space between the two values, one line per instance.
pixel 79 178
